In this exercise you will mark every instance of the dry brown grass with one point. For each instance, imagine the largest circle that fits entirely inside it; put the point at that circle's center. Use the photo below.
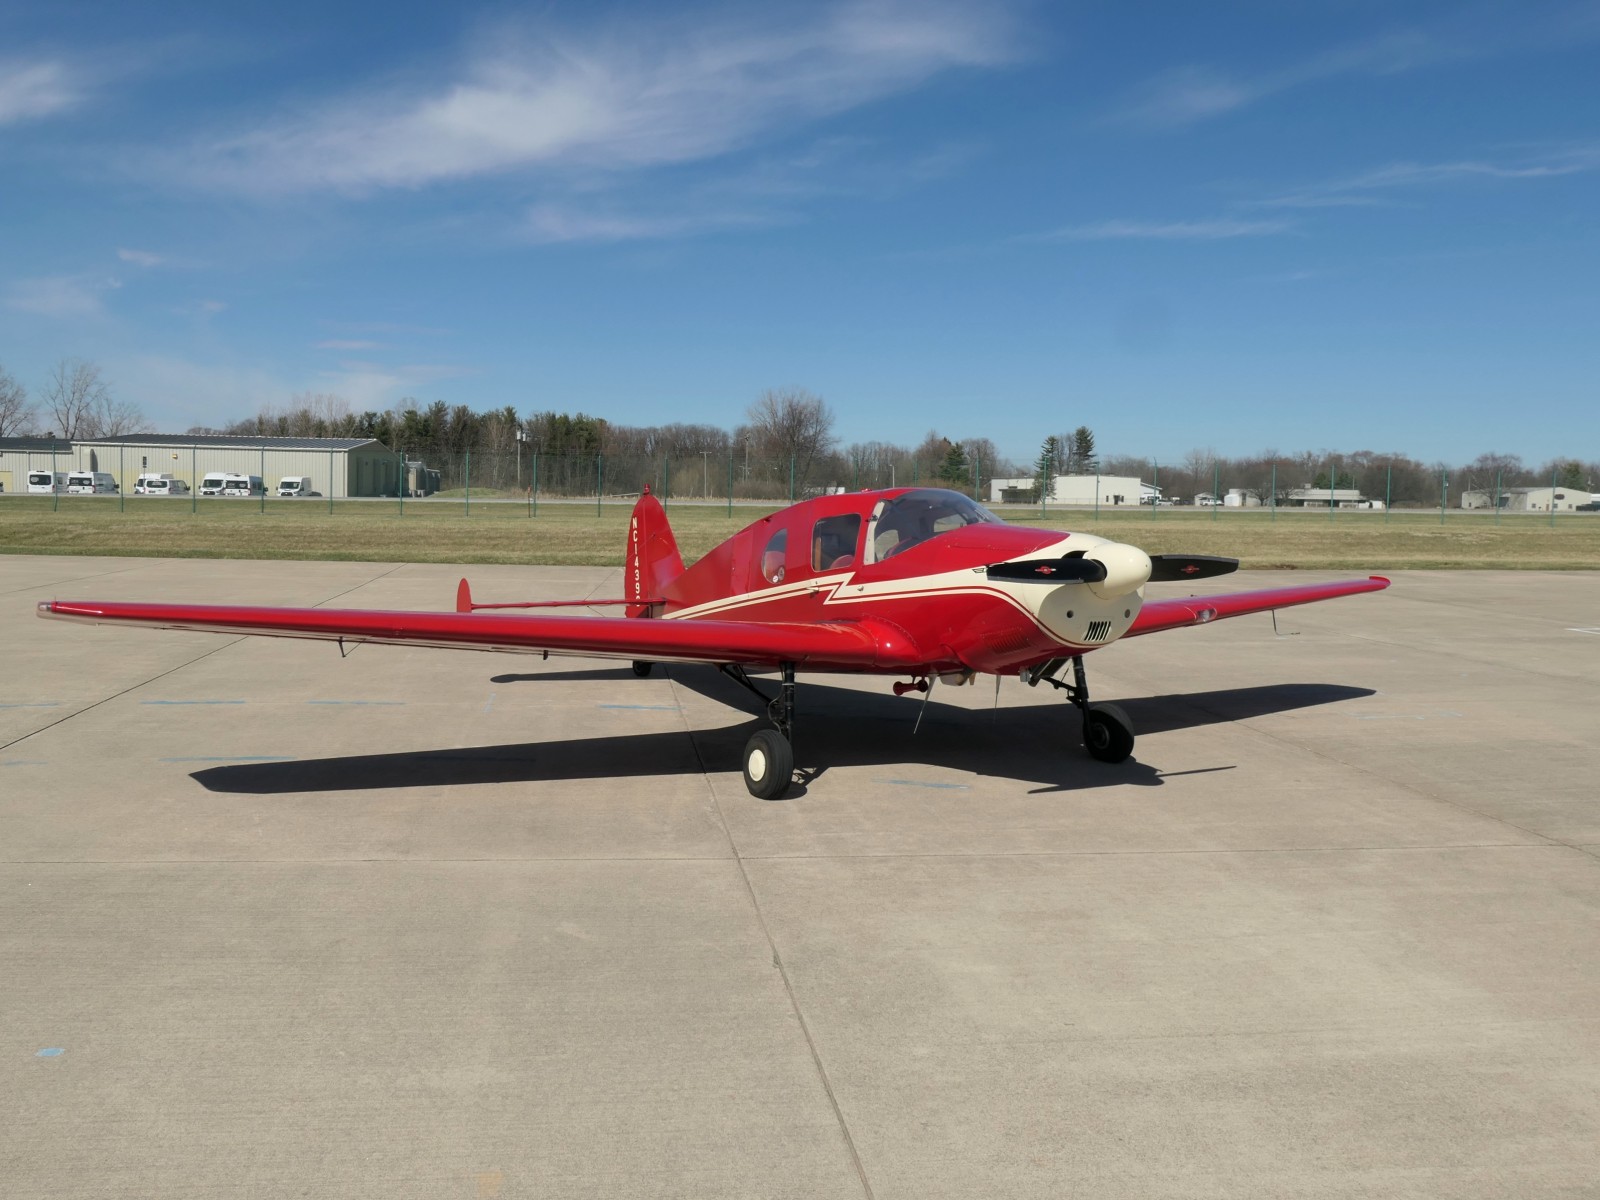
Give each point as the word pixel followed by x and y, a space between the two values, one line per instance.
pixel 573 534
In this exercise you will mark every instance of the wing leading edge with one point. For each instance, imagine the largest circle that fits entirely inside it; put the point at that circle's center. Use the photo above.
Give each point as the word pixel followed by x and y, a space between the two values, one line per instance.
pixel 1157 615
pixel 848 645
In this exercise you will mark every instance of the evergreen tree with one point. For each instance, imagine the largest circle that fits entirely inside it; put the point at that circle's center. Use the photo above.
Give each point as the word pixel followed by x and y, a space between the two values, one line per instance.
pixel 954 468
pixel 1083 459
pixel 1047 467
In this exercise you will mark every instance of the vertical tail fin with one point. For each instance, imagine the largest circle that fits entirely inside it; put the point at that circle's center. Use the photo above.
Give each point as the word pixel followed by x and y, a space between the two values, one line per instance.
pixel 653 558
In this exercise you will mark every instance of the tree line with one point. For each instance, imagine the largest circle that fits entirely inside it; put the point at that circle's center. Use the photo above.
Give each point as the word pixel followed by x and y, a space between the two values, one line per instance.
pixel 785 446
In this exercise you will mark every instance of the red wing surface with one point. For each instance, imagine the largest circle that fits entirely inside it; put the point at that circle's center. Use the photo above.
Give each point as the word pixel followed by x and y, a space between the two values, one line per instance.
pixel 843 644
pixel 1157 615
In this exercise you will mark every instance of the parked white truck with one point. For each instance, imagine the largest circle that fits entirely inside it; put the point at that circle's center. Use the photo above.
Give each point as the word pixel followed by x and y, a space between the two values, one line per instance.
pixel 296 485
pixel 227 483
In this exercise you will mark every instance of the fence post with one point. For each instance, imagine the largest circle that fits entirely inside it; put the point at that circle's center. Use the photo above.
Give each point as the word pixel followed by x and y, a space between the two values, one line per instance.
pixel 467 480
pixel 599 480
pixel 1274 491
pixel 122 478
pixel 1497 497
pixel 1388 494
pixel 791 479
pixel 1216 486
pixel 730 482
pixel 263 478
pixel 977 479
pixel 330 483
pixel 194 474
pixel 1333 478
pixel 1097 497
pixel 1444 493
pixel 1552 495
pixel 533 486
pixel 55 496
pixel 400 480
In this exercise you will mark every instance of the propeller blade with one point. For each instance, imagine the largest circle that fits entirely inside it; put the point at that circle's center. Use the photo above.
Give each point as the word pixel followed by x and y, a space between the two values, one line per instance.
pixel 1073 569
pixel 1171 568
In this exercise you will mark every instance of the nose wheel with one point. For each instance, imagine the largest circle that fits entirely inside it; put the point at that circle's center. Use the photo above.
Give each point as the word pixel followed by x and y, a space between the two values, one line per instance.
pixel 1107 731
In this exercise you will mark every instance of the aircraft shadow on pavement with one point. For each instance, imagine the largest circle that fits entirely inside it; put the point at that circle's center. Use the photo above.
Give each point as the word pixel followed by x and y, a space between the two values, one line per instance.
pixel 1037 743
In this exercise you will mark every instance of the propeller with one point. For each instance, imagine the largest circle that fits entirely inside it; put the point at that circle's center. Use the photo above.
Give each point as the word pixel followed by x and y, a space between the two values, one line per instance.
pixel 1072 568
pixel 1173 568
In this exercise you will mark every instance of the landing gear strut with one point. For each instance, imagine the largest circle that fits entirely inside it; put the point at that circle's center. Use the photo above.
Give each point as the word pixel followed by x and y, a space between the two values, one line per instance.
pixel 1107 731
pixel 769 755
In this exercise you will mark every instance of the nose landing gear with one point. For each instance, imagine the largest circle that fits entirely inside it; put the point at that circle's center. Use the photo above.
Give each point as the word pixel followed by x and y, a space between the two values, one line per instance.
pixel 1107 731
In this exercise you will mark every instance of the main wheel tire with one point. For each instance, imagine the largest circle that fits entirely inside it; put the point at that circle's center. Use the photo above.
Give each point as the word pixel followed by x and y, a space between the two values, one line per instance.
pixel 1107 733
pixel 768 764
pixel 641 669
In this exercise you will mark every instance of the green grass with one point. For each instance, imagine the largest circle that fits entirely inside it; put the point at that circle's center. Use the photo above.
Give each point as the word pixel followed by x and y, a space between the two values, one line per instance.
pixel 573 534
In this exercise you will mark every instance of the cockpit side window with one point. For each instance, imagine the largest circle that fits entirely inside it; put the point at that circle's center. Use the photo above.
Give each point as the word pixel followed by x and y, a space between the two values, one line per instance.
pixel 833 542
pixel 772 557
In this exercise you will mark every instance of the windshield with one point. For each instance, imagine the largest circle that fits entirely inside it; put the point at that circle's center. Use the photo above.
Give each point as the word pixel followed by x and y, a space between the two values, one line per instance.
pixel 914 517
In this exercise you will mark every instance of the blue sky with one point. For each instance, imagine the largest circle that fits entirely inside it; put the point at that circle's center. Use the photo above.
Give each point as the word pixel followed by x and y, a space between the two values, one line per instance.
pixel 1266 224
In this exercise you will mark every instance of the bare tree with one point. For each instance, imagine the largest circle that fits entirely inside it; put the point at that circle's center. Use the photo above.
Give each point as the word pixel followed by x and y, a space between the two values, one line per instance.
pixel 113 418
pixel 72 393
pixel 16 414
pixel 81 405
pixel 792 426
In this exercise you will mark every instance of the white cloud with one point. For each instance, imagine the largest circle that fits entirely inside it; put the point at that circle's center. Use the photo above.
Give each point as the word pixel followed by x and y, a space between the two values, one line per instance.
pixel 1212 230
pixel 61 295
pixel 1190 94
pixel 32 90
pixel 1366 188
pixel 551 223
pixel 642 96
pixel 348 344
pixel 140 258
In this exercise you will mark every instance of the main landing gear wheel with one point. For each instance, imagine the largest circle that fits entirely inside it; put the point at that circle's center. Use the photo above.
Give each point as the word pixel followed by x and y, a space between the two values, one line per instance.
pixel 641 669
pixel 768 764
pixel 1107 733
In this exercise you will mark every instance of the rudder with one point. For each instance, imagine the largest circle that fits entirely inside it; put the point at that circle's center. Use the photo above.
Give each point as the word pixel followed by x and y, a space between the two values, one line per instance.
pixel 653 558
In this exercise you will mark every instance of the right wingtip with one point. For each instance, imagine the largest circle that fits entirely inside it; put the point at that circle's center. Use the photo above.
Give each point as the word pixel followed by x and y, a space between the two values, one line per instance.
pixel 47 608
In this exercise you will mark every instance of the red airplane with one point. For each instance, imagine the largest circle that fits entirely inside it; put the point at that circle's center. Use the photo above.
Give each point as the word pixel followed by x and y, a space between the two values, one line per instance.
pixel 916 582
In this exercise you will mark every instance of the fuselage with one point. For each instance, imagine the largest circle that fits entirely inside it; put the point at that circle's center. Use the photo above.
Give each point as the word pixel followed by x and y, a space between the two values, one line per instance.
pixel 911 563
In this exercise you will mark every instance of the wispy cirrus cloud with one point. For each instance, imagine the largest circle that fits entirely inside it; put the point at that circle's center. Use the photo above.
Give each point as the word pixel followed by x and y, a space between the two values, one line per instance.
pixel 1218 229
pixel 1189 94
pixel 30 91
pixel 348 344
pixel 61 296
pixel 141 258
pixel 1369 187
pixel 648 95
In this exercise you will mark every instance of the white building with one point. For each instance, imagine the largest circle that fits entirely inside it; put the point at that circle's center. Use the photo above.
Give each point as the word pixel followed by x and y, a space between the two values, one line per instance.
pixel 1088 491
pixel 1528 499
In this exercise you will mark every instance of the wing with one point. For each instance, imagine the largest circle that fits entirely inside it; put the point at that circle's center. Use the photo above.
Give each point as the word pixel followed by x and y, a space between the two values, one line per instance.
pixel 841 645
pixel 1157 615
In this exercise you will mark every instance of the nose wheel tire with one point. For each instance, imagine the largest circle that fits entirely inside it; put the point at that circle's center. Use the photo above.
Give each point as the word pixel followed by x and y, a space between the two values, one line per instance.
pixel 642 669
pixel 768 764
pixel 1107 733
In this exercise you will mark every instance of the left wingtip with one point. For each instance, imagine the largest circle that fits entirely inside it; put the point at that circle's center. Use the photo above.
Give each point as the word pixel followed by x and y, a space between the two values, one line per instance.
pixel 47 608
